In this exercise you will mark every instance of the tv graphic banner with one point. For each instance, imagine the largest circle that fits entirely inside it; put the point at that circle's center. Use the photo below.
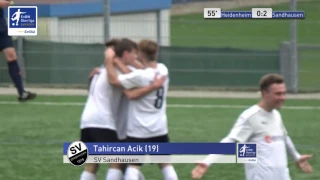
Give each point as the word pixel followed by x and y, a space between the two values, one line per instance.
pixel 78 153
pixel 255 13
pixel 22 20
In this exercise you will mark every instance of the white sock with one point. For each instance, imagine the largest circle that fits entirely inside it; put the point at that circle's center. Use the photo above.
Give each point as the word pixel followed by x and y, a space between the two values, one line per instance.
pixel 114 174
pixel 85 175
pixel 169 173
pixel 131 174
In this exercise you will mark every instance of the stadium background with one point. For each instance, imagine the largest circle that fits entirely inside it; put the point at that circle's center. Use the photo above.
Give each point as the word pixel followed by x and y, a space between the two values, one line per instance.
pixel 200 54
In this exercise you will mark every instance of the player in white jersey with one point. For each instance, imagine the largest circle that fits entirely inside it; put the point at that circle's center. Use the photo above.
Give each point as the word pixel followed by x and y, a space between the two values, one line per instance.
pixel 147 118
pixel 103 107
pixel 98 120
pixel 121 111
pixel 262 124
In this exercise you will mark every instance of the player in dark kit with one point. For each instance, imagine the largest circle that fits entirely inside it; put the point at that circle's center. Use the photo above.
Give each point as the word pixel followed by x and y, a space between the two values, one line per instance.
pixel 9 52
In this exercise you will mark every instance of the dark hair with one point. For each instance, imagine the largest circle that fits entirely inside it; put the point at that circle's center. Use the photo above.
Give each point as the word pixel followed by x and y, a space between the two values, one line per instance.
pixel 149 49
pixel 269 79
pixel 112 42
pixel 125 45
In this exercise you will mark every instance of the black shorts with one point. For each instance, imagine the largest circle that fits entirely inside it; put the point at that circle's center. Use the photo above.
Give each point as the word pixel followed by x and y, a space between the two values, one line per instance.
pixel 5 40
pixel 98 135
pixel 157 139
pixel 163 139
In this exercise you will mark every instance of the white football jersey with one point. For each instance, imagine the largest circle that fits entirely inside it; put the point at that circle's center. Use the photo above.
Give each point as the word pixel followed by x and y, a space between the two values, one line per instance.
pixel 122 118
pixel 121 113
pixel 147 116
pixel 102 103
pixel 266 129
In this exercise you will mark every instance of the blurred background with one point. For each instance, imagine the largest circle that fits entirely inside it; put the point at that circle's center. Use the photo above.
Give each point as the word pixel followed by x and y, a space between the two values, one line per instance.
pixel 200 53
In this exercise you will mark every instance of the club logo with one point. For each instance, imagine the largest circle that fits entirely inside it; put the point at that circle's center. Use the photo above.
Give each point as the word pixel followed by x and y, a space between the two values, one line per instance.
pixel 77 153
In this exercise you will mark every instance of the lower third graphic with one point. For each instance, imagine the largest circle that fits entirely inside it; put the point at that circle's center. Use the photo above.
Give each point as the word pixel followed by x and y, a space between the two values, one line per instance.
pixel 22 20
pixel 247 153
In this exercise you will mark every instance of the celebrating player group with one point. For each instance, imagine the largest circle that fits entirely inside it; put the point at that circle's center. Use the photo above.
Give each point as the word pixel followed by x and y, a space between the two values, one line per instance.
pixel 127 103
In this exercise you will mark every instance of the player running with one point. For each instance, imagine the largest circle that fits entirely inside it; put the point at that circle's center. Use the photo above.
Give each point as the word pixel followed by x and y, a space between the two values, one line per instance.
pixel 262 124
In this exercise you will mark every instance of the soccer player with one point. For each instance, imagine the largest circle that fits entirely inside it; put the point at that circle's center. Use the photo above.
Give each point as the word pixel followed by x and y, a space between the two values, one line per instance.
pixel 98 118
pixel 7 48
pixel 262 124
pixel 108 53
pixel 147 119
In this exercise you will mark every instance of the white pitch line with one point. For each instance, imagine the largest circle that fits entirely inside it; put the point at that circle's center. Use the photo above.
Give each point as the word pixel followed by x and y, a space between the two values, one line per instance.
pixel 205 106
pixel 44 103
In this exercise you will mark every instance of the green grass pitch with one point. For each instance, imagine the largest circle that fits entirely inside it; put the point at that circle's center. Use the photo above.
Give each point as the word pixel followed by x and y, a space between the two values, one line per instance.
pixel 32 135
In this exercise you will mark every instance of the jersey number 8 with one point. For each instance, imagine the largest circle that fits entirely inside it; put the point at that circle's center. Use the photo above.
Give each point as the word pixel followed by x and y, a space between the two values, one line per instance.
pixel 159 101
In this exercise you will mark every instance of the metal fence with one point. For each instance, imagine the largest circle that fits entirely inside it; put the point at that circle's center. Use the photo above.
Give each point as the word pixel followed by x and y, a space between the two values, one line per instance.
pixel 69 64
pixel 307 71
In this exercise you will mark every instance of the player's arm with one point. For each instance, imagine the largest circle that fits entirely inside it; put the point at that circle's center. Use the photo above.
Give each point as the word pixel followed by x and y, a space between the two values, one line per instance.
pixel 301 160
pixel 202 167
pixel 241 132
pixel 127 81
pixel 4 3
pixel 137 64
pixel 109 56
pixel 124 69
pixel 111 72
pixel 137 93
pixel 120 65
pixel 289 144
pixel 292 149
pixel 134 81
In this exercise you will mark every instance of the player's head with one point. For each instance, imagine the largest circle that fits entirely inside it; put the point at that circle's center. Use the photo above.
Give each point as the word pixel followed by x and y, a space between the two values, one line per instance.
pixel 112 43
pixel 148 51
pixel 273 90
pixel 126 50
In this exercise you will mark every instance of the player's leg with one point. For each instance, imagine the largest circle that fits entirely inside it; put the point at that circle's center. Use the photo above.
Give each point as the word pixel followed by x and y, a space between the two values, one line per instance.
pixel 6 47
pixel 167 169
pixel 90 170
pixel 133 170
pixel 107 135
pixel 124 166
pixel 114 172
